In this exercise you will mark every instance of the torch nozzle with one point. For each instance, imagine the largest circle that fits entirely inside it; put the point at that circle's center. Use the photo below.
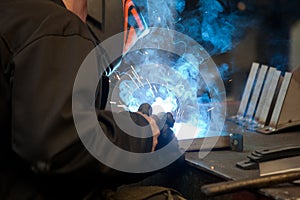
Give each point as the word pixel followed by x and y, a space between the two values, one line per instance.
pixel 146 109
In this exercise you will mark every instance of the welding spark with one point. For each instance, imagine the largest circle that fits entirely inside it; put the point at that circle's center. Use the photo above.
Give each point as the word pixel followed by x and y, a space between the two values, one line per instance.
pixel 155 89
pixel 126 85
pixel 210 109
pixel 149 83
pixel 137 86
pixel 136 75
pixel 122 106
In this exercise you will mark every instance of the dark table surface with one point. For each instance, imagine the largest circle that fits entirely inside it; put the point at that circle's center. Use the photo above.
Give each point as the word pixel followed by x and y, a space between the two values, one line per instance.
pixel 222 163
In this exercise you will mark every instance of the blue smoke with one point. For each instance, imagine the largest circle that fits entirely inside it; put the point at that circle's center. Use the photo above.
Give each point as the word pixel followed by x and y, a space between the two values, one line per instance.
pixel 218 27
pixel 209 25
pixel 176 79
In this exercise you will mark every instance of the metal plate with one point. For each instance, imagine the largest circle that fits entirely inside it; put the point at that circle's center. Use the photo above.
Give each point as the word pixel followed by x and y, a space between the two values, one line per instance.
pixel 270 95
pixel 256 91
pixel 248 89
pixel 264 93
pixel 280 99
pixel 279 166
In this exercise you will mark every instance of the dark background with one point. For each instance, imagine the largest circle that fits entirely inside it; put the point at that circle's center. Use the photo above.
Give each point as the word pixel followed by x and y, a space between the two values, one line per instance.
pixel 272 37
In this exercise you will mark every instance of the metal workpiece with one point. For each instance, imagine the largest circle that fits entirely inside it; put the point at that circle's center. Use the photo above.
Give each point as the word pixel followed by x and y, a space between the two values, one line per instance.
pixel 270 92
pixel 256 91
pixel 256 183
pixel 264 95
pixel 270 100
pixel 247 91
pixel 286 110
pixel 280 99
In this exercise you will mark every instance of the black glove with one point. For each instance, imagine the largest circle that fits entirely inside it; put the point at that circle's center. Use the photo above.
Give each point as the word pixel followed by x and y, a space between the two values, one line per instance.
pixel 164 121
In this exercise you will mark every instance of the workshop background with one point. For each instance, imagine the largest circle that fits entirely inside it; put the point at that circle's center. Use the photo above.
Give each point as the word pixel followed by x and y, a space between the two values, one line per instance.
pixel 235 33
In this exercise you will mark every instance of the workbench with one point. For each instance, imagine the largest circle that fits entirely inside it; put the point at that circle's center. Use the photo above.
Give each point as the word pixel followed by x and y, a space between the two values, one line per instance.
pixel 221 164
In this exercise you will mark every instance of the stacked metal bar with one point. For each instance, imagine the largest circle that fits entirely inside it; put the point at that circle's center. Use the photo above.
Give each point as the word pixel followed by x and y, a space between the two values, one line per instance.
pixel 269 101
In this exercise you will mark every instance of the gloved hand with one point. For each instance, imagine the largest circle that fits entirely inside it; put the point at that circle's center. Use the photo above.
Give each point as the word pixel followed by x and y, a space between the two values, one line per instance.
pixel 164 121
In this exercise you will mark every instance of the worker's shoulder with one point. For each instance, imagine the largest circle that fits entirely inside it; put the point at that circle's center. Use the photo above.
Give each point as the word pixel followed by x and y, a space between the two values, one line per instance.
pixel 25 21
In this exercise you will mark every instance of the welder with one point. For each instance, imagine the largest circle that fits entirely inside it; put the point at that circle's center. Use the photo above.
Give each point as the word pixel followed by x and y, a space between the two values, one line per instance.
pixel 42 45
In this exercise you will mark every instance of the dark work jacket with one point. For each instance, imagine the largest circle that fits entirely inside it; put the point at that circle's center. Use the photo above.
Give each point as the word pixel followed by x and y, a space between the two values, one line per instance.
pixel 42 46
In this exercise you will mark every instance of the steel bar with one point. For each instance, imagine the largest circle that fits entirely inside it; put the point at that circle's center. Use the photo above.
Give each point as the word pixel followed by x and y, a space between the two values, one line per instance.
pixel 257 183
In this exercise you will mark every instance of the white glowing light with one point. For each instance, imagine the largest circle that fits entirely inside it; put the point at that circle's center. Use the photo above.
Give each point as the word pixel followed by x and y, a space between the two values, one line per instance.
pixel 193 128
pixel 210 109
pixel 185 130
pixel 121 106
pixel 164 105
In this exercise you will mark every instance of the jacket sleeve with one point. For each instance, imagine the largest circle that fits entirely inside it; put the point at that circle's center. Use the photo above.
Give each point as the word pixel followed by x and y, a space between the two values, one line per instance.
pixel 43 130
pixel 5 147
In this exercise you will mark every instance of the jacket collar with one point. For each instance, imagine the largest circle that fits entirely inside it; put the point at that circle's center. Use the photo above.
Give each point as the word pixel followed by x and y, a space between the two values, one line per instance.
pixel 59 2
